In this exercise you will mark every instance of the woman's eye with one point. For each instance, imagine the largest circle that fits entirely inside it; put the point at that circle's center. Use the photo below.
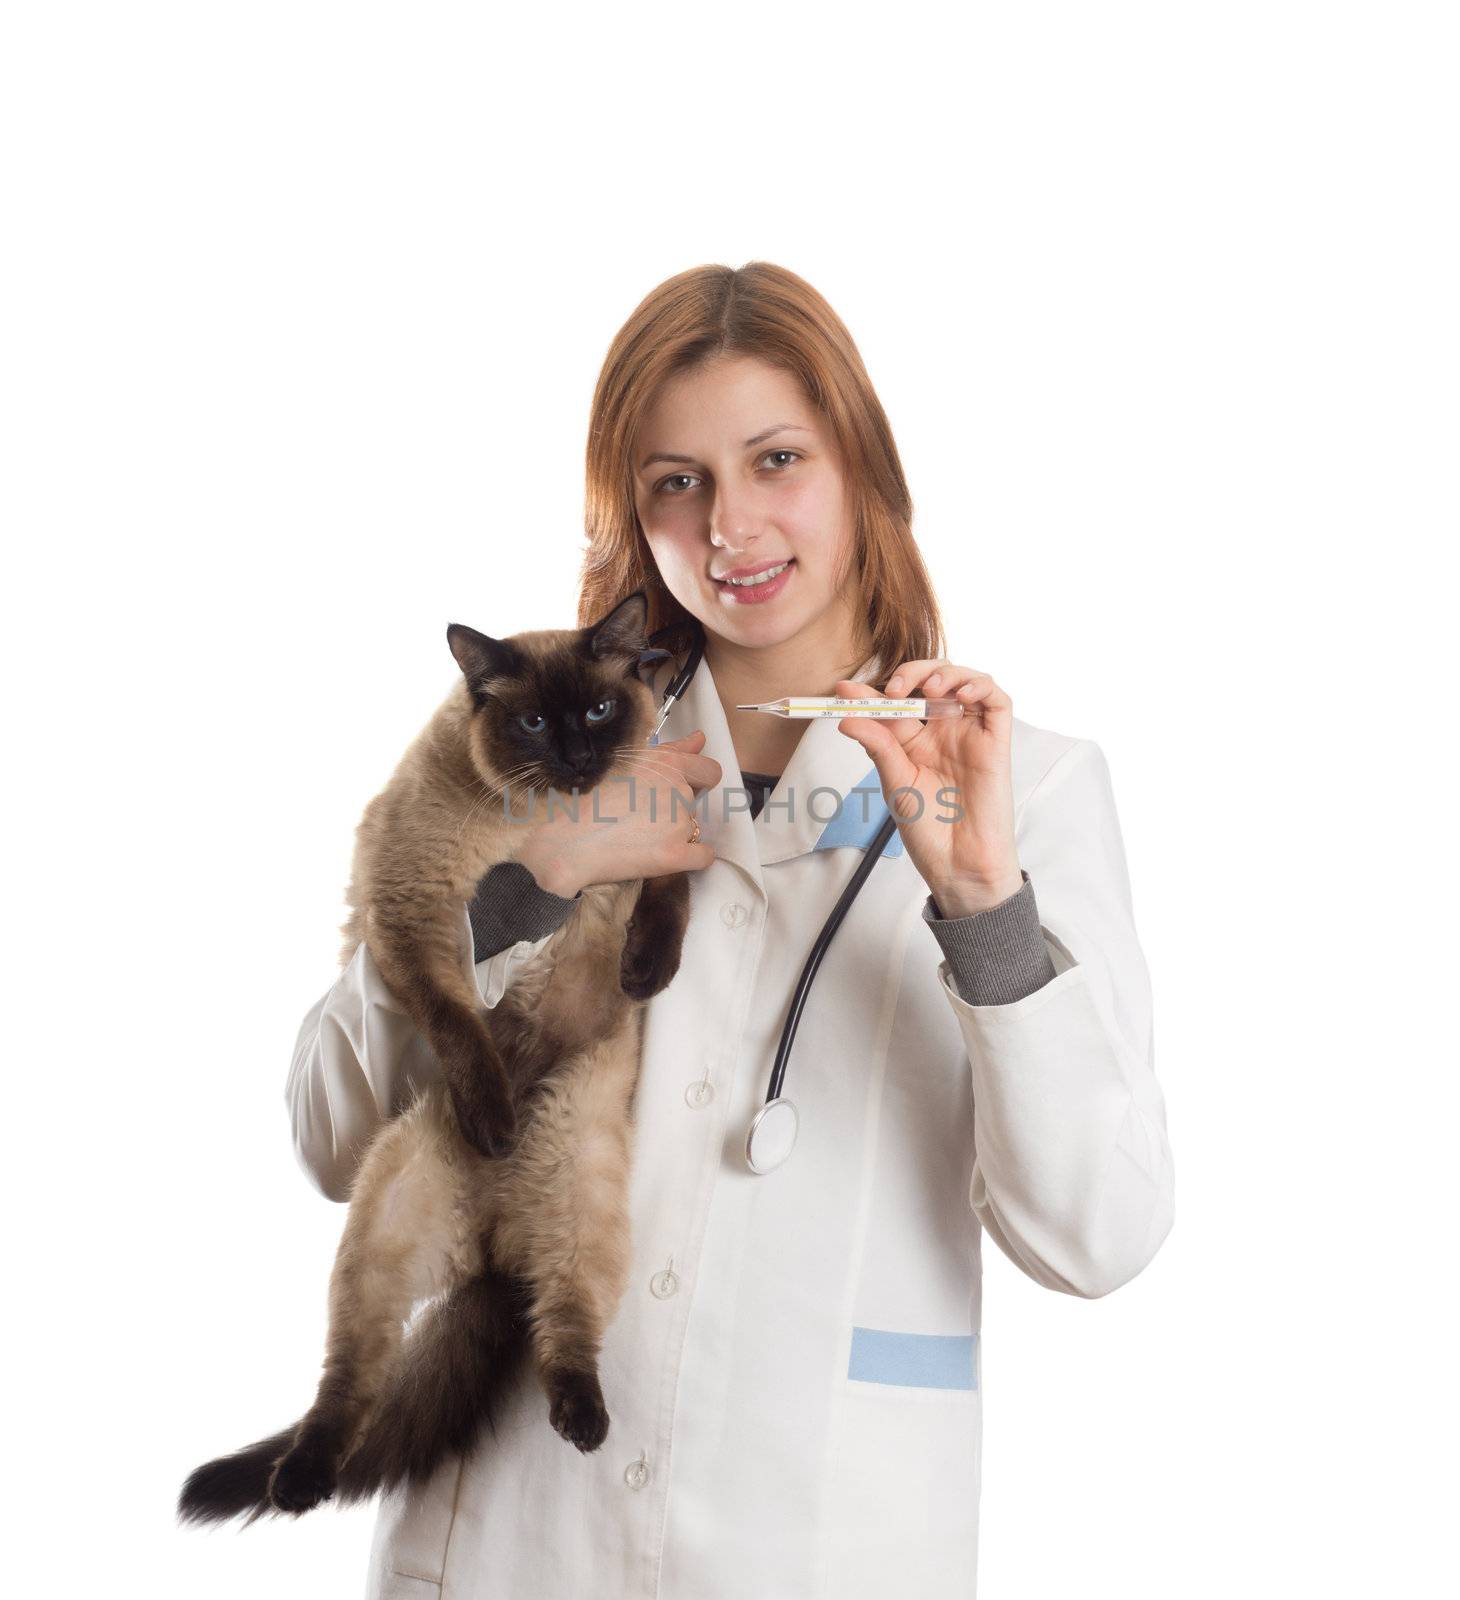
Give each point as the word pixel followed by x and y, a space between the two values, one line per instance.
pixel 682 477
pixel 533 721
pixel 602 710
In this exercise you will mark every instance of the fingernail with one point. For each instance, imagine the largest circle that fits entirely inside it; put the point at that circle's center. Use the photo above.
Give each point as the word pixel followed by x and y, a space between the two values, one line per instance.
pixel 894 687
pixel 935 680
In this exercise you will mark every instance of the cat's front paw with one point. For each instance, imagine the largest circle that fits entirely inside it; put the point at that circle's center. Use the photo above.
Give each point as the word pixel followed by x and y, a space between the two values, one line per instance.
pixel 576 1408
pixel 489 1126
pixel 643 973
pixel 302 1479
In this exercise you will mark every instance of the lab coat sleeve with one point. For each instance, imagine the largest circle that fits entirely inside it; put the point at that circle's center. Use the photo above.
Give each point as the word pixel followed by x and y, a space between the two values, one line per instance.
pixel 1072 1172
pixel 359 1059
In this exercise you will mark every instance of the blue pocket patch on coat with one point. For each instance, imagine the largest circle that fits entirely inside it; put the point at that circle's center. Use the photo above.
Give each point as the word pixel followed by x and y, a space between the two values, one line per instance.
pixel 914 1360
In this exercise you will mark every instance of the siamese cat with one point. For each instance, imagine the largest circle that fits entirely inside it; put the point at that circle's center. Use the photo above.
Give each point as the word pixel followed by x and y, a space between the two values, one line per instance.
pixel 501 1192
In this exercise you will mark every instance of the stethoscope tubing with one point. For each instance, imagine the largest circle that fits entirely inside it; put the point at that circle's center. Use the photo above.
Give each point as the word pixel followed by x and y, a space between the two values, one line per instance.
pixel 818 950
pixel 774 1097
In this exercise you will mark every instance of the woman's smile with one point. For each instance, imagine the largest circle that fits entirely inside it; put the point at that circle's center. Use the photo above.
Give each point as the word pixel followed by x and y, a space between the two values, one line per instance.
pixel 758 587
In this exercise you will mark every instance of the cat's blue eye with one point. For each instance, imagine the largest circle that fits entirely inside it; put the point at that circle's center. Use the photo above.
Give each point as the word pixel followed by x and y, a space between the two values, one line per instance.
pixel 600 712
pixel 533 721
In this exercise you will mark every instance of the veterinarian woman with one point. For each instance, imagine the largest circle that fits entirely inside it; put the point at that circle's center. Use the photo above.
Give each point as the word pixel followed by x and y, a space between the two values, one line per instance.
pixel 793 1375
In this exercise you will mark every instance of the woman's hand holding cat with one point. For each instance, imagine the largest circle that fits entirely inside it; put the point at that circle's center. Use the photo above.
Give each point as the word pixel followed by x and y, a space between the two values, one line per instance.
pixel 625 830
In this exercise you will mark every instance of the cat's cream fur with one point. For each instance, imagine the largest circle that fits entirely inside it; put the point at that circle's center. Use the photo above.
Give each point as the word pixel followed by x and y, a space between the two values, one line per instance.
pixel 501 1191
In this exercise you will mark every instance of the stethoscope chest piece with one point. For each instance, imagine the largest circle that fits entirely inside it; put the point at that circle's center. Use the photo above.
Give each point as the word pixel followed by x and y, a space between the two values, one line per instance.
pixel 772 1135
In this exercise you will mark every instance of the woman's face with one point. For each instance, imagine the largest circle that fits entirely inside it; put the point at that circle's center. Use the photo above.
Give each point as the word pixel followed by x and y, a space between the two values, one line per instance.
pixel 735 473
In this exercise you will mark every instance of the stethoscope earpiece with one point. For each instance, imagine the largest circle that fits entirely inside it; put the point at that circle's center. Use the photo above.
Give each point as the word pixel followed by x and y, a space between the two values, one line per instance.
pixel 680 682
pixel 648 660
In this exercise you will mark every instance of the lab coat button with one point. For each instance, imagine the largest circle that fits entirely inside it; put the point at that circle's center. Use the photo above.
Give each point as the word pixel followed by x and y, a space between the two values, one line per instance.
pixel 664 1283
pixel 636 1474
pixel 699 1093
pixel 733 914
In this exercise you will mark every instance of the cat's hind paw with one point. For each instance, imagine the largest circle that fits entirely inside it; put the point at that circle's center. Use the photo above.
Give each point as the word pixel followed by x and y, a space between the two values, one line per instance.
pixel 577 1410
pixel 303 1479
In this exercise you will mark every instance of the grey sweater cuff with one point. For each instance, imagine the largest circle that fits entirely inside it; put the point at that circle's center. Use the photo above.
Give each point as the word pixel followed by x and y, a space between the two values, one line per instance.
pixel 995 956
pixel 510 905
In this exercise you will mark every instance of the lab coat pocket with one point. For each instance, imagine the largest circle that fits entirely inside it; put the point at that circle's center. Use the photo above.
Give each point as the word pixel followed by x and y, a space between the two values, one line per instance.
pixel 401 1586
pixel 902 1513
pixel 412 1530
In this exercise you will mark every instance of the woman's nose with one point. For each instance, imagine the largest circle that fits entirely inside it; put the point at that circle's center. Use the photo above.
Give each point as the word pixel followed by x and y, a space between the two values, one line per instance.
pixel 731 523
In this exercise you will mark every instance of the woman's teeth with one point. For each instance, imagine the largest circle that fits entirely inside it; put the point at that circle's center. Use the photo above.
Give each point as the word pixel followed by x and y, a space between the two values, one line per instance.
pixel 760 577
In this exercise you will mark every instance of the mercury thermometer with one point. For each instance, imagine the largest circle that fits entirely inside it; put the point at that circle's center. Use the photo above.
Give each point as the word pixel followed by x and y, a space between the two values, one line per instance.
pixel 831 705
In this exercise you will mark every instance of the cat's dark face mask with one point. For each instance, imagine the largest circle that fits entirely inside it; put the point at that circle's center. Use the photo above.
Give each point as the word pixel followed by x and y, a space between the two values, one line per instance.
pixel 559 709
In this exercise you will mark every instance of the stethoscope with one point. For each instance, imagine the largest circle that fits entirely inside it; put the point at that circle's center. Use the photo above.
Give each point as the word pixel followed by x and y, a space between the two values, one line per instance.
pixel 772 1134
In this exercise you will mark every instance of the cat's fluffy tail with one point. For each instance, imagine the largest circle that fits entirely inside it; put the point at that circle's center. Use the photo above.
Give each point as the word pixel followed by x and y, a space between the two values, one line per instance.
pixel 464 1352
pixel 234 1484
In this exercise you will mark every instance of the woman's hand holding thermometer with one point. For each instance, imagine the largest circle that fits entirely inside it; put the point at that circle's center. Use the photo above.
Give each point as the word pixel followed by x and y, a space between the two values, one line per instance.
pixel 961 842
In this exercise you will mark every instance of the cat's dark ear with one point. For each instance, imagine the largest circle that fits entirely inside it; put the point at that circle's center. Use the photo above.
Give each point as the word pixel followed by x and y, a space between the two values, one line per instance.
pixel 478 654
pixel 621 632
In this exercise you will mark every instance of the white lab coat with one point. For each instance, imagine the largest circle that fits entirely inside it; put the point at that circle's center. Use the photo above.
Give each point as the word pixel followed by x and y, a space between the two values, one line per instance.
pixel 793 1375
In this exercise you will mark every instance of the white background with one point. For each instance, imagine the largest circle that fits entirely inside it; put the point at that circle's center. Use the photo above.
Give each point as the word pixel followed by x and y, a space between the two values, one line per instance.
pixel 303 308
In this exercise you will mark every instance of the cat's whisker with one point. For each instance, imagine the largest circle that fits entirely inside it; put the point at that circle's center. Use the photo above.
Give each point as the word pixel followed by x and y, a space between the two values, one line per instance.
pixel 504 780
pixel 488 796
pixel 492 795
pixel 646 758
pixel 659 768
pixel 507 774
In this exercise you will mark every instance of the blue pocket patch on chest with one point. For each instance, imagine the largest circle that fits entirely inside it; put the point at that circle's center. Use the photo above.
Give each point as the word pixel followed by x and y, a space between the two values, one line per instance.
pixel 914 1360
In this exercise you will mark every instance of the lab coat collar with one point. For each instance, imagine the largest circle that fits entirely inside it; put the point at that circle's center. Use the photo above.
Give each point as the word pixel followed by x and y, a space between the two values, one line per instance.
pixel 814 795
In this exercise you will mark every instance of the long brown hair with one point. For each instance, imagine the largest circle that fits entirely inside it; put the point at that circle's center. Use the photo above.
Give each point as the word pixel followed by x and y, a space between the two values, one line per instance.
pixel 765 311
